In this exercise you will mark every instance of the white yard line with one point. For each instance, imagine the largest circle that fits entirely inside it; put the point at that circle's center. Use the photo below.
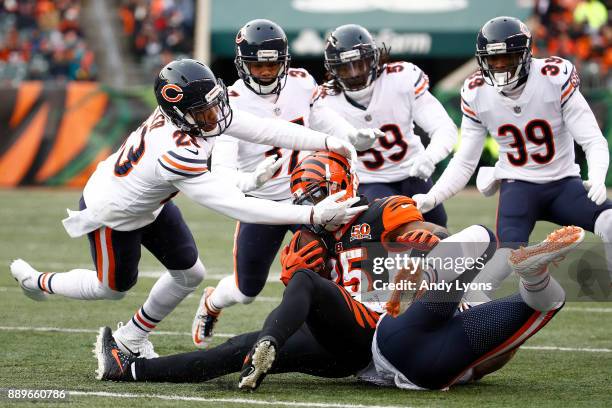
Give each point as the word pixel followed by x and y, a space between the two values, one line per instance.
pixel 245 401
pixel 226 335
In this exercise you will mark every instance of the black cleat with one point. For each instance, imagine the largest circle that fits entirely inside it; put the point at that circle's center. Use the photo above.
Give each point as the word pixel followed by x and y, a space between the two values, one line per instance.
pixel 257 363
pixel 113 364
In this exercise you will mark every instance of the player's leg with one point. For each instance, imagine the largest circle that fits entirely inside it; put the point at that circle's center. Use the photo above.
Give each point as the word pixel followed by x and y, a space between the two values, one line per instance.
pixel 255 247
pixel 436 357
pixel 372 191
pixel 168 238
pixel 518 210
pixel 340 324
pixel 301 353
pixel 115 254
pixel 415 185
pixel 584 213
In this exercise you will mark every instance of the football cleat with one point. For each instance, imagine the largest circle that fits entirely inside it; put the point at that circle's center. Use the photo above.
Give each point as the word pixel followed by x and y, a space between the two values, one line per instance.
pixel 257 363
pixel 204 321
pixel 28 279
pixel 533 260
pixel 137 348
pixel 113 364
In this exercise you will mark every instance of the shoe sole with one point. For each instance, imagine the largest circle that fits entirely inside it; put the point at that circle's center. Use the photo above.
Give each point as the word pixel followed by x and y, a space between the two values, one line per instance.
pixel 556 244
pixel 200 342
pixel 262 360
pixel 98 351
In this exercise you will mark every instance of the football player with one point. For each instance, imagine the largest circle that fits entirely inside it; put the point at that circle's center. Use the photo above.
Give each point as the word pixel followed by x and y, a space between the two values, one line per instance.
pixel 534 109
pixel 127 201
pixel 392 97
pixel 320 329
pixel 269 88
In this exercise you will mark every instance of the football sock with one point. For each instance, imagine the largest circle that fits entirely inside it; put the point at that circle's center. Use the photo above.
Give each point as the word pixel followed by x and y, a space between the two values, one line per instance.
pixel 165 295
pixel 77 284
pixel 603 228
pixel 493 273
pixel 227 294
pixel 541 292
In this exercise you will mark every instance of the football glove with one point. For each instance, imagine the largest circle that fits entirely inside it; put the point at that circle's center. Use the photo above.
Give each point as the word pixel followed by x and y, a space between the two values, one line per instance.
pixel 337 145
pixel 596 191
pixel 419 239
pixel 331 211
pixel 292 259
pixel 424 202
pixel 262 173
pixel 363 139
pixel 420 166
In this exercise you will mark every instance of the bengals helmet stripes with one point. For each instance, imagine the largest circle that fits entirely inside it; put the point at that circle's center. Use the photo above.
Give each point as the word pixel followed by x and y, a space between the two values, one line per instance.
pixel 321 174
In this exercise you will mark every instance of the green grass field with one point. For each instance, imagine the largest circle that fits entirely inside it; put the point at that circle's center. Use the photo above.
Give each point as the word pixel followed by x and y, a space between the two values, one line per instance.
pixel 48 345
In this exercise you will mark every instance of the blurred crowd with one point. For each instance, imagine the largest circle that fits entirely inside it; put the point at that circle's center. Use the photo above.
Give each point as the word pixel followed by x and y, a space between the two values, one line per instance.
pixel 42 39
pixel 159 31
pixel 579 30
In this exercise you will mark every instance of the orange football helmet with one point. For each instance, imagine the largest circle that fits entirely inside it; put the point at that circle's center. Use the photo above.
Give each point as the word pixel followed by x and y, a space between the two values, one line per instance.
pixel 321 174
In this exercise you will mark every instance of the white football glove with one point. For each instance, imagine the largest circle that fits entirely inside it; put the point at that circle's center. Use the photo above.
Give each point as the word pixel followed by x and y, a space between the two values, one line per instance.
pixel 262 173
pixel 363 139
pixel 337 145
pixel 331 211
pixel 424 202
pixel 597 191
pixel 420 166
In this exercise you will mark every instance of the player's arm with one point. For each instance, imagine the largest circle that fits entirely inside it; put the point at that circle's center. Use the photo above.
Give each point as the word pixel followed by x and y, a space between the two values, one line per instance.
pixel 583 127
pixel 280 133
pixel 225 164
pixel 215 193
pixel 459 169
pixel 431 116
pixel 326 120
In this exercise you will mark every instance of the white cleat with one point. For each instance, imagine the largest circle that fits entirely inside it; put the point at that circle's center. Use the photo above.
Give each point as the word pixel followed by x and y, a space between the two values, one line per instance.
pixel 204 322
pixel 138 348
pixel 533 260
pixel 28 279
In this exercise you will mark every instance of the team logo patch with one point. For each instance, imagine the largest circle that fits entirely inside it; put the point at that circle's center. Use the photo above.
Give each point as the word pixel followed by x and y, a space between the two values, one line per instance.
pixel 525 30
pixel 172 93
pixel 239 37
pixel 360 231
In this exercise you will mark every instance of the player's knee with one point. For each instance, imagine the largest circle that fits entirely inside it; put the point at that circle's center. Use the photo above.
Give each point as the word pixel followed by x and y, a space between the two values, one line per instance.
pixel 190 277
pixel 603 225
pixel 510 237
pixel 303 278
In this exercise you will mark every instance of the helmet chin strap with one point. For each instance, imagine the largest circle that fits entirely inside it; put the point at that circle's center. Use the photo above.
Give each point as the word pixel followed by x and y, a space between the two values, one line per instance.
pixel 501 79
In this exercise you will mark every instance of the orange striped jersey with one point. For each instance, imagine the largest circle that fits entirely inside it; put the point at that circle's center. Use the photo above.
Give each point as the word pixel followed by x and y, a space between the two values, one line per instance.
pixel 535 143
pixel 398 88
pixel 355 245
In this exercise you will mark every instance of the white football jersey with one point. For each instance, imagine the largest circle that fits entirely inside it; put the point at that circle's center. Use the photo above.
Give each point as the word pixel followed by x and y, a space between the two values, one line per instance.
pixel 293 105
pixel 534 142
pixel 129 188
pixel 390 110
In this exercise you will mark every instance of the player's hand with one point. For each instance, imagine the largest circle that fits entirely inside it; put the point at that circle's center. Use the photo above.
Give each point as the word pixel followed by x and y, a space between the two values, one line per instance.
pixel 424 202
pixel 266 169
pixel 420 166
pixel 363 139
pixel 596 191
pixel 332 211
pixel 337 145
pixel 419 239
pixel 308 257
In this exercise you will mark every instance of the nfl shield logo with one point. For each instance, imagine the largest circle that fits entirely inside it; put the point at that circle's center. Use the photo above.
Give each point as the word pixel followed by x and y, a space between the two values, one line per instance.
pixel 517 109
